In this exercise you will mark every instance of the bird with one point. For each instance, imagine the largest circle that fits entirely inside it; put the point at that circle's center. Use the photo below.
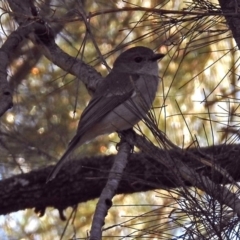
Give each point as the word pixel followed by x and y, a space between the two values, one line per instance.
pixel 120 101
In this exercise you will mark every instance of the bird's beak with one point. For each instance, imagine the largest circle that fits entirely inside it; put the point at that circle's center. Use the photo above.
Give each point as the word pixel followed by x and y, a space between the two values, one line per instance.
pixel 157 56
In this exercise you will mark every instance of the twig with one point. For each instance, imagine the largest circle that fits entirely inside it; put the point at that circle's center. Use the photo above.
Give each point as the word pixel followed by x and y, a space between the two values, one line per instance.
pixel 105 200
pixel 88 28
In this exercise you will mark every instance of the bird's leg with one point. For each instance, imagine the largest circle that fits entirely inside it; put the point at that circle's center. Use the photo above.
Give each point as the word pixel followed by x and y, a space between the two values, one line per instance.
pixel 123 135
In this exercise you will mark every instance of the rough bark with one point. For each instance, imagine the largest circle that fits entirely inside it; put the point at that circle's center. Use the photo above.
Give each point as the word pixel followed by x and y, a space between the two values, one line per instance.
pixel 230 9
pixel 83 180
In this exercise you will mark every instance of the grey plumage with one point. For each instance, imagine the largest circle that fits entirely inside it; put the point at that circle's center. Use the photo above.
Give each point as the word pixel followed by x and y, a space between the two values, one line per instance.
pixel 121 100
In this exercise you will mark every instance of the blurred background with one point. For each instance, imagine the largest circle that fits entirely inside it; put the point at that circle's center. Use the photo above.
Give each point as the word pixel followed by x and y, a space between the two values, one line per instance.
pixel 196 105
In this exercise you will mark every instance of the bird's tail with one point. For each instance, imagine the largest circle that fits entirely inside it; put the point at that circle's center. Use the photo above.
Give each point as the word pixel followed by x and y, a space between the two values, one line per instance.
pixel 65 157
pixel 59 165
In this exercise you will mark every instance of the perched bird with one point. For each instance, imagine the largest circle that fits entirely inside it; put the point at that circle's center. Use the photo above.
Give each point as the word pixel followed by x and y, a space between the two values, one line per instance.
pixel 120 101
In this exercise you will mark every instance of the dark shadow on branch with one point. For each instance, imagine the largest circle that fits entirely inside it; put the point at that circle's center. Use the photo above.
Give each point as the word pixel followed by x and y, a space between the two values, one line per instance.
pixel 83 180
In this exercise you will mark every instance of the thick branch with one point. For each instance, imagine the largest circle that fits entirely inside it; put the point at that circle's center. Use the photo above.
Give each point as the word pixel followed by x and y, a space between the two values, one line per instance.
pixel 230 9
pixel 44 37
pixel 78 68
pixel 12 42
pixel 83 180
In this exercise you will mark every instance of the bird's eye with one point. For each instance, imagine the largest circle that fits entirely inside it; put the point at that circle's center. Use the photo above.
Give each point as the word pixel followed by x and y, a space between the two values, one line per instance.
pixel 138 59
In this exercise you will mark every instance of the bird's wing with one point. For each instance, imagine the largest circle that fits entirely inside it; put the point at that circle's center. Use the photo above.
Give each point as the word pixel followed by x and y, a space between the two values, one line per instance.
pixel 115 90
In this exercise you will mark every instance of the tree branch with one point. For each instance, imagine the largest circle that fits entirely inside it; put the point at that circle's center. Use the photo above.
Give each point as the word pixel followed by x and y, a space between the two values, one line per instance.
pixel 108 192
pixel 230 9
pixel 26 14
pixel 83 180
